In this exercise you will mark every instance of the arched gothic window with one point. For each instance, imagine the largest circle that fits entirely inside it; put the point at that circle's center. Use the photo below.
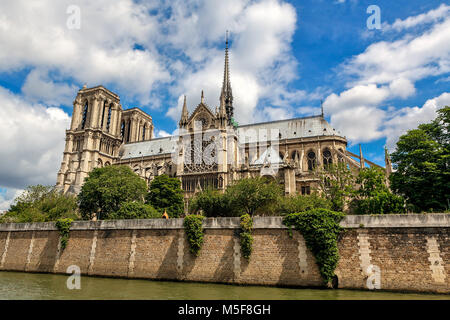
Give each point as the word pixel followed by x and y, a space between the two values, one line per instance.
pixel 122 130
pixel 143 132
pixel 108 121
pixel 294 154
pixel 311 160
pixel 327 159
pixel 85 111
pixel 103 113
pixel 129 131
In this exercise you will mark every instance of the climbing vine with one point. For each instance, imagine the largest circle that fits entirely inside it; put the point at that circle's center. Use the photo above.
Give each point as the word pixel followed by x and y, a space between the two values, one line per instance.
pixel 320 228
pixel 246 236
pixel 63 225
pixel 194 232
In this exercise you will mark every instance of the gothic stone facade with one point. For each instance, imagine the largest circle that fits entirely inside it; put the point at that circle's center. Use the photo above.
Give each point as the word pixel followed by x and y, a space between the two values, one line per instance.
pixel 102 134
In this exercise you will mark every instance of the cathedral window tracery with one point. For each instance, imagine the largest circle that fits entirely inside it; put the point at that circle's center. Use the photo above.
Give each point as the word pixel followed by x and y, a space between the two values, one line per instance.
pixel 311 160
pixel 327 158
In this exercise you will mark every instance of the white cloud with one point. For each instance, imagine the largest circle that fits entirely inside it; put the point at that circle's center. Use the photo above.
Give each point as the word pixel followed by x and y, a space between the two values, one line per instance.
pixel 437 14
pixel 402 88
pixel 388 70
pixel 7 197
pixel 100 52
pixel 410 117
pixel 38 87
pixel 32 141
pixel 260 59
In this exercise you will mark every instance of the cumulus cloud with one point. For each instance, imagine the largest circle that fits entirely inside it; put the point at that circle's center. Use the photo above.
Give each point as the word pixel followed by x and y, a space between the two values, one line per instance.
pixel 7 197
pixel 410 117
pixel 33 138
pixel 434 15
pixel 38 87
pixel 261 61
pixel 388 70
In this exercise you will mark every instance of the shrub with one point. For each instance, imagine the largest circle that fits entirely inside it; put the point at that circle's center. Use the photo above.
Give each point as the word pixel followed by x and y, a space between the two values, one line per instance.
pixel 194 232
pixel 135 210
pixel 39 204
pixel 301 203
pixel 254 195
pixel 213 203
pixel 373 195
pixel 382 203
pixel 320 228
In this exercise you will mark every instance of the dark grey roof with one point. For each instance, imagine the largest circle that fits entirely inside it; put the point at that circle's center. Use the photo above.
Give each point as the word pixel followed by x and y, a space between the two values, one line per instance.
pixel 292 128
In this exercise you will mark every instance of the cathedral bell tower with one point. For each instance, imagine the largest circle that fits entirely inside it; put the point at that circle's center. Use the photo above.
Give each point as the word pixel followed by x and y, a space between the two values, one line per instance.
pixel 93 139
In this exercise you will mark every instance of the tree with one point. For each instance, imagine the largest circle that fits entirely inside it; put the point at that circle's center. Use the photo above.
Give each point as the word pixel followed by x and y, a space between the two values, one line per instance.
pixel 302 203
pixel 166 194
pixel 213 203
pixel 135 210
pixel 41 203
pixel 422 163
pixel 255 195
pixel 335 182
pixel 106 189
pixel 373 195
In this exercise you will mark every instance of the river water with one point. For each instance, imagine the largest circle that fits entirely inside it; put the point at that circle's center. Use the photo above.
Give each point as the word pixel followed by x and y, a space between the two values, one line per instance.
pixel 31 286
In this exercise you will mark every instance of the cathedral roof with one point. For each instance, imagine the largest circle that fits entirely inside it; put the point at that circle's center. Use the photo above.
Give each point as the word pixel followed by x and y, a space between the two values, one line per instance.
pixel 293 128
pixel 269 156
pixel 152 147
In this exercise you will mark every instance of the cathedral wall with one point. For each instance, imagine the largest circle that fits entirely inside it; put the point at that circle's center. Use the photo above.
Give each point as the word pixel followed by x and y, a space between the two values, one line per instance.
pixel 394 252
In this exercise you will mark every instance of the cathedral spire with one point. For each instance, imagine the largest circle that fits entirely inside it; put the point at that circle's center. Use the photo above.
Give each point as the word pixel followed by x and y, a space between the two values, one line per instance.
pixel 361 158
pixel 226 95
pixel 184 114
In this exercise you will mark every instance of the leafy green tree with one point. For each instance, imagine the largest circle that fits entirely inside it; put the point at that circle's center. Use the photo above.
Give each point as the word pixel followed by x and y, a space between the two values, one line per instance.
pixel 373 195
pixel 335 183
pixel 255 195
pixel 135 210
pixel 422 163
pixel 41 203
pixel 302 203
pixel 106 189
pixel 213 203
pixel 166 194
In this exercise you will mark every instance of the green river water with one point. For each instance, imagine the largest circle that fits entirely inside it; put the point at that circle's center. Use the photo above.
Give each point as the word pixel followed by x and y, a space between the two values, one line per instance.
pixel 31 286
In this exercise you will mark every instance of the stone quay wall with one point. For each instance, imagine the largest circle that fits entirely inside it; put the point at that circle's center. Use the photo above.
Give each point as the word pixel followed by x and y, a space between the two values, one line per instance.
pixel 390 252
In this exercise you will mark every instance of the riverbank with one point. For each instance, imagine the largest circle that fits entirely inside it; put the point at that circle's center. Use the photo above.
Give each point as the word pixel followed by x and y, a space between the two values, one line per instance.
pixel 390 252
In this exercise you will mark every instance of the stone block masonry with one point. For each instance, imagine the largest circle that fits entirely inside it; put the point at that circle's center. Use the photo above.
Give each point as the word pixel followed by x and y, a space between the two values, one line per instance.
pixel 391 252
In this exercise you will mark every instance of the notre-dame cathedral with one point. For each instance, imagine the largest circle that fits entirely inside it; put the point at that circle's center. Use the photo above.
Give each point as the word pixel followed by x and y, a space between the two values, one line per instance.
pixel 210 149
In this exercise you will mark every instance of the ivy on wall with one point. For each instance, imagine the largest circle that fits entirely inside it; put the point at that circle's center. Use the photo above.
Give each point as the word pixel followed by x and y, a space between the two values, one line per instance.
pixel 246 236
pixel 320 228
pixel 63 225
pixel 194 232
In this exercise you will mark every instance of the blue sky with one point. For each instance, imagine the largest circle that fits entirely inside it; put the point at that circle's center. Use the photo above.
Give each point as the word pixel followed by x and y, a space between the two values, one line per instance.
pixel 286 56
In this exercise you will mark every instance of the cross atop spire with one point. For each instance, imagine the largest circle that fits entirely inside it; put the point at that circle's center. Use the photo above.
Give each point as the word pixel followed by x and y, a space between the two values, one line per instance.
pixel 226 95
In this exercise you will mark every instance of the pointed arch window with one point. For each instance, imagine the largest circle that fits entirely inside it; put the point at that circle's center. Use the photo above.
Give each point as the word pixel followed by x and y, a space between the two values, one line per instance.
pixel 103 114
pixel 311 160
pixel 129 131
pixel 143 132
pixel 85 112
pixel 108 121
pixel 327 158
pixel 122 130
